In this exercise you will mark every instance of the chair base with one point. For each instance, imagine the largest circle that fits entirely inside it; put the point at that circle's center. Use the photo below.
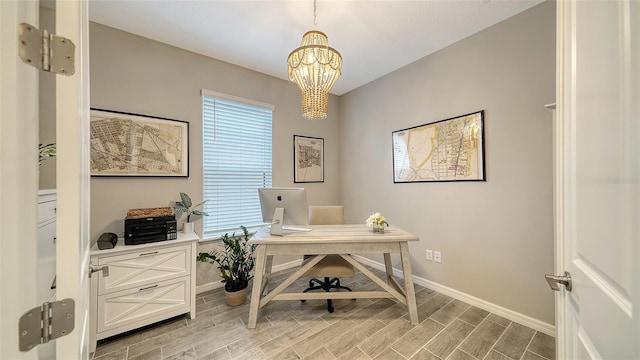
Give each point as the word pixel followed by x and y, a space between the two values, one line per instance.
pixel 326 285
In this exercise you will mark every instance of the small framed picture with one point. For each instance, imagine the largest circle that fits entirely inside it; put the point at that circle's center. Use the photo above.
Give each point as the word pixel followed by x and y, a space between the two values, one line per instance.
pixel 308 159
pixel 124 144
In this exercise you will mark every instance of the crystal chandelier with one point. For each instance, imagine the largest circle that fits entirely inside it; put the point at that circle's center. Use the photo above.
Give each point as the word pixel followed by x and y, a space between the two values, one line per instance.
pixel 315 67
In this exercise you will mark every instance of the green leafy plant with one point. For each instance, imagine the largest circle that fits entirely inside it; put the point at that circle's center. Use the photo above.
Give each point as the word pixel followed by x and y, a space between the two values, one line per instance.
pixel 45 152
pixel 236 261
pixel 186 206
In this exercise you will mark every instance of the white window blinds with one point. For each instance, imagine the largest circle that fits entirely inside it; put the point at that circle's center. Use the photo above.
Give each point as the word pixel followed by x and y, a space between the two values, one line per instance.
pixel 236 161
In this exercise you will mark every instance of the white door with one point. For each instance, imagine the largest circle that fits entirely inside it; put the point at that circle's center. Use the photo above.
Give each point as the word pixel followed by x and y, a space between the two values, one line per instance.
pixel 598 214
pixel 19 178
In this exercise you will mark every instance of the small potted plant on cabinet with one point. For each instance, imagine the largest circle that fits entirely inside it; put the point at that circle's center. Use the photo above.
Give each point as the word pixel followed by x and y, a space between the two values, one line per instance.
pixel 186 206
pixel 235 264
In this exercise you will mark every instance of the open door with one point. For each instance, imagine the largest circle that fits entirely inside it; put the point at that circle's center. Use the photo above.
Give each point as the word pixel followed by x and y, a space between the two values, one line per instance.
pixel 19 179
pixel 598 184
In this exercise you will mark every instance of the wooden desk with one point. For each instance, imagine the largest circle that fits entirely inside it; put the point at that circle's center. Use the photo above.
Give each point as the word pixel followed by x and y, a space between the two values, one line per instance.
pixel 332 239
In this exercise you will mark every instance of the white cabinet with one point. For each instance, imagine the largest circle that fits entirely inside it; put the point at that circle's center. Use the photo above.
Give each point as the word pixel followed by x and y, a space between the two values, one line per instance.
pixel 46 244
pixel 145 284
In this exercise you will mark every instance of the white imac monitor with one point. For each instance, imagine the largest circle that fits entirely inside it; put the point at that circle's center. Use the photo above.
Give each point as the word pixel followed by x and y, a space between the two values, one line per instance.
pixel 284 206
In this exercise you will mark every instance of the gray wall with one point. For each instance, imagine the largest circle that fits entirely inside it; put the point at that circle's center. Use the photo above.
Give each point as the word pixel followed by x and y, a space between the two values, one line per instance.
pixel 496 237
pixel 137 75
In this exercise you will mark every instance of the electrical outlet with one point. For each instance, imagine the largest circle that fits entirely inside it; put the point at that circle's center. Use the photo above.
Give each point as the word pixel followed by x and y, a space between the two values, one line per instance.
pixel 430 254
pixel 437 256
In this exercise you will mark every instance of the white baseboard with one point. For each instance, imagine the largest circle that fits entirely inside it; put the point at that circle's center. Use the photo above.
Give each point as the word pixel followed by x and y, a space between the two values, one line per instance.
pixel 469 299
pixel 218 284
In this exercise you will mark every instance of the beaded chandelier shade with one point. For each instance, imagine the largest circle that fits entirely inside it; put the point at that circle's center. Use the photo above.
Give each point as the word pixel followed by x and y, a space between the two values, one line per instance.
pixel 315 67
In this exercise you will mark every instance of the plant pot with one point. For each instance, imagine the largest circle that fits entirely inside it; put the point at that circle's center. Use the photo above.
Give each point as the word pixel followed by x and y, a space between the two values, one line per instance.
pixel 235 298
pixel 378 229
pixel 188 227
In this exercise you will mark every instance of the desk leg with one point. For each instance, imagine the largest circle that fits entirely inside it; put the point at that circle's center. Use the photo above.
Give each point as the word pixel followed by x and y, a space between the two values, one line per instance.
pixel 408 283
pixel 388 267
pixel 256 291
pixel 267 275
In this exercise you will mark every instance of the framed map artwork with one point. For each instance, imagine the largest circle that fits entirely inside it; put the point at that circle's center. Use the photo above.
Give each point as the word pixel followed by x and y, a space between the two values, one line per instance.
pixel 446 150
pixel 308 159
pixel 124 144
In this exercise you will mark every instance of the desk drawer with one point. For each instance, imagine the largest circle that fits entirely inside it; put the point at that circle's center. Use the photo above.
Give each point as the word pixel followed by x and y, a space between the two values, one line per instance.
pixel 129 309
pixel 148 266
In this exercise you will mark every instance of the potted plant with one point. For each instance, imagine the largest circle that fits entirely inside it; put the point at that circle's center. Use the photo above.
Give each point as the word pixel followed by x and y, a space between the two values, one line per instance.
pixel 186 206
pixel 235 264
pixel 45 152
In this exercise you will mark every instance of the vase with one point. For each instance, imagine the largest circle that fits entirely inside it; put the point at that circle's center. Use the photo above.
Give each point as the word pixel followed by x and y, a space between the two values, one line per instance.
pixel 188 227
pixel 378 229
pixel 235 298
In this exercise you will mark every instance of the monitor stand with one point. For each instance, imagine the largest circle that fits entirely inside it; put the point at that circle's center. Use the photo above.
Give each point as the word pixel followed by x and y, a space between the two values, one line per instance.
pixel 276 223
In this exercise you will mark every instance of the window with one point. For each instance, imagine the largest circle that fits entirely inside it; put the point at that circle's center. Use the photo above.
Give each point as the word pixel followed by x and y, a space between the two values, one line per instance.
pixel 236 161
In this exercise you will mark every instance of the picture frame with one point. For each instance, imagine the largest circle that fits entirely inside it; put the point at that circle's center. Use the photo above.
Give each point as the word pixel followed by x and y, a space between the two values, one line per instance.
pixel 308 159
pixel 134 145
pixel 445 150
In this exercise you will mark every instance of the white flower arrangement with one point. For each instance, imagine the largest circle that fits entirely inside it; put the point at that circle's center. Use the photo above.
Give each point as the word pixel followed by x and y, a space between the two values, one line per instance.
pixel 376 219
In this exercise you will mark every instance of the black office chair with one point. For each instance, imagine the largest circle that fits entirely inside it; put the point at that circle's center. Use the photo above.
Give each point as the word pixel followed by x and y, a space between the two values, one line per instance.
pixel 332 267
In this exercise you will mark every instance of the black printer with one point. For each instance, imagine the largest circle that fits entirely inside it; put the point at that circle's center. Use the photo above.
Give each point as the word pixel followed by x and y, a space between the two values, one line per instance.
pixel 143 226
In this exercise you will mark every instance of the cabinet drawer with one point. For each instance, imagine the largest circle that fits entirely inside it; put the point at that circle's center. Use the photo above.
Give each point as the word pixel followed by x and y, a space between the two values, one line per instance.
pixel 46 211
pixel 46 261
pixel 146 267
pixel 129 309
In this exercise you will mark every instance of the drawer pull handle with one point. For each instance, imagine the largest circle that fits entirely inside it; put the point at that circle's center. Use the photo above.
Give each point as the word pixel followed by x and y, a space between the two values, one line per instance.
pixel 150 253
pixel 148 287
pixel 103 268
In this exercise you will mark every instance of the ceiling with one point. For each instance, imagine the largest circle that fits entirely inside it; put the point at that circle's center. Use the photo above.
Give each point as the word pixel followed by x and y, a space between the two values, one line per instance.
pixel 374 37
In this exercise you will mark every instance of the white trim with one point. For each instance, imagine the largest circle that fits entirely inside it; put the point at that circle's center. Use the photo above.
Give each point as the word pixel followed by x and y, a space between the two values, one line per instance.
pixel 205 92
pixel 218 284
pixel 559 178
pixel 469 299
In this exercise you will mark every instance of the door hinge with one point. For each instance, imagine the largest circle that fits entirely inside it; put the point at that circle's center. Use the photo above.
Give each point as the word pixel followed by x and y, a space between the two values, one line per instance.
pixel 47 322
pixel 46 51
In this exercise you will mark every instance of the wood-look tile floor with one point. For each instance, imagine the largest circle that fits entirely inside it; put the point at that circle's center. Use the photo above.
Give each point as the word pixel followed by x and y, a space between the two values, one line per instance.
pixel 361 329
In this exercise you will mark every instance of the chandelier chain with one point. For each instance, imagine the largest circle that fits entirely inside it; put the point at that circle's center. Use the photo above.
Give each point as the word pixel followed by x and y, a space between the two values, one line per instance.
pixel 314 14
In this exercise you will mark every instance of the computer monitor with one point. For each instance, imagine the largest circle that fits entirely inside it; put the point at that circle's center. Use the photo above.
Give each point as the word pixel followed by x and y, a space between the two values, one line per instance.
pixel 292 200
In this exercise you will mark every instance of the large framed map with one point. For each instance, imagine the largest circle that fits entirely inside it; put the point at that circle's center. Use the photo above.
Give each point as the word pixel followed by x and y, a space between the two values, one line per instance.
pixel 446 150
pixel 124 144
pixel 308 159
